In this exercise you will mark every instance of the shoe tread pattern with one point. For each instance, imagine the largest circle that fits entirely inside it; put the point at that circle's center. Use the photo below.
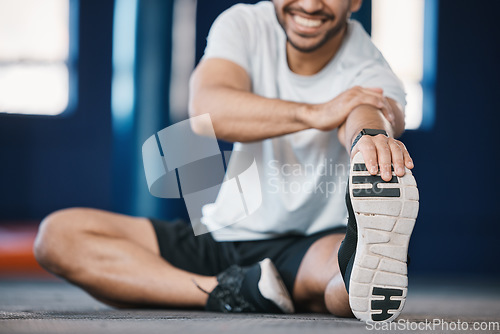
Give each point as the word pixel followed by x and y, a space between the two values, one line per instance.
pixel 379 281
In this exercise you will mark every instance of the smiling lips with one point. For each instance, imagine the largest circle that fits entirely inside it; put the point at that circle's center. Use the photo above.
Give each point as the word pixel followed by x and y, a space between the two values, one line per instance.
pixel 309 23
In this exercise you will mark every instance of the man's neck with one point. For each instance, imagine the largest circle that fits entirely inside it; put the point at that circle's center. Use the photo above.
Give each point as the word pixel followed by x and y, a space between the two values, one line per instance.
pixel 310 63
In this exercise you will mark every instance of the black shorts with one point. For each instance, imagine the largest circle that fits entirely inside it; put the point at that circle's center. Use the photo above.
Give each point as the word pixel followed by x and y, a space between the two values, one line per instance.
pixel 204 256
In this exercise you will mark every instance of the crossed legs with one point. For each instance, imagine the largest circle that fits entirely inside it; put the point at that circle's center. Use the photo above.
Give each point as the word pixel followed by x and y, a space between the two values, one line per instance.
pixel 116 259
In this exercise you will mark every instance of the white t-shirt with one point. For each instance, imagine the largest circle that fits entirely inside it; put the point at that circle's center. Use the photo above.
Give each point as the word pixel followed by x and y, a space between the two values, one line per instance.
pixel 302 175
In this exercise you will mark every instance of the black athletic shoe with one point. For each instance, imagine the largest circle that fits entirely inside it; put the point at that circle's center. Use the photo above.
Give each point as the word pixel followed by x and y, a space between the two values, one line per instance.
pixel 258 288
pixel 373 255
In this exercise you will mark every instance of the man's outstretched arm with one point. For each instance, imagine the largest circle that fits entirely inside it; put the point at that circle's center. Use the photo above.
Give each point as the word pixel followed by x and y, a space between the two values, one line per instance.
pixel 378 151
pixel 223 89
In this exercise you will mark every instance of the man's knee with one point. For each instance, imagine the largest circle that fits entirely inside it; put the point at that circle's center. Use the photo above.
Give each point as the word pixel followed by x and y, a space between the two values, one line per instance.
pixel 54 243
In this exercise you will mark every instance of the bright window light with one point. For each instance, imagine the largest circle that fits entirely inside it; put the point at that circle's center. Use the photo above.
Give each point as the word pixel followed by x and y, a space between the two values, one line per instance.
pixel 34 48
pixel 183 57
pixel 398 32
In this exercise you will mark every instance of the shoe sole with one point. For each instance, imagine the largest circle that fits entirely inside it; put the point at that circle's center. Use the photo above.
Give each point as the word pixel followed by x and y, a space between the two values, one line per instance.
pixel 385 215
pixel 271 287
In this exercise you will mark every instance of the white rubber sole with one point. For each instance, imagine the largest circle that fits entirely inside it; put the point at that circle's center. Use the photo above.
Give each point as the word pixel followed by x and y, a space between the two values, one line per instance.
pixel 385 214
pixel 271 286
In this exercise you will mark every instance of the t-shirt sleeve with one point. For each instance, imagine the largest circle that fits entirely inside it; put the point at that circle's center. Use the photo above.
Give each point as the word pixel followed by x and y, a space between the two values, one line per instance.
pixel 379 74
pixel 229 37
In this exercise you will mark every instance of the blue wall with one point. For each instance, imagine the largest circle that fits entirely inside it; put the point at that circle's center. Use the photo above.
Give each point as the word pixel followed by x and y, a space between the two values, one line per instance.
pixel 458 227
pixel 47 163
pixel 51 163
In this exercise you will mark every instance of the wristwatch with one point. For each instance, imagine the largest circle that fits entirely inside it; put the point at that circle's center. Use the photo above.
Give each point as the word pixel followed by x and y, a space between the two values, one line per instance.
pixel 369 132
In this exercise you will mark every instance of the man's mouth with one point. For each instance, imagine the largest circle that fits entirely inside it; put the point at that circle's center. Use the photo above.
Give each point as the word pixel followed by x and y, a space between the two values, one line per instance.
pixel 308 23
pixel 305 22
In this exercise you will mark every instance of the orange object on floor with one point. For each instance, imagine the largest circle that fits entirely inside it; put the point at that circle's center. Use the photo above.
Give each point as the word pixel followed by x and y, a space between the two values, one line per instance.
pixel 16 250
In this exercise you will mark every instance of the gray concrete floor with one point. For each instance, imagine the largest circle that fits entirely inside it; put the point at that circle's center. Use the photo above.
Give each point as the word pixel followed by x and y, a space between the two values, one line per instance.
pixel 57 307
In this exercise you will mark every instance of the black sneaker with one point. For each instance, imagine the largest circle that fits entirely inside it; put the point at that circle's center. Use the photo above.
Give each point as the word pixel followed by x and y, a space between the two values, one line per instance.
pixel 258 288
pixel 373 255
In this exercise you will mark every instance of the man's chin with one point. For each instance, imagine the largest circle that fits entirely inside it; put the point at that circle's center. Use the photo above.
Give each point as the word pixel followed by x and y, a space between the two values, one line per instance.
pixel 305 47
pixel 308 44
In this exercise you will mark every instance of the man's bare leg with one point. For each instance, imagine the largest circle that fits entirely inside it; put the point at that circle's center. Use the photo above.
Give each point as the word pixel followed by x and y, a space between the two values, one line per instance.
pixel 319 286
pixel 116 259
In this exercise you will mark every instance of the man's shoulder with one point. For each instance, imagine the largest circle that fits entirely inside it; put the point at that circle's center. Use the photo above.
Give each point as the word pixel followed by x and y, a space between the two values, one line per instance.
pixel 359 47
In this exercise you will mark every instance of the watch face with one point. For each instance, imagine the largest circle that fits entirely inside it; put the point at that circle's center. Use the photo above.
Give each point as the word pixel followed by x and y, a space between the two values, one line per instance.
pixel 374 132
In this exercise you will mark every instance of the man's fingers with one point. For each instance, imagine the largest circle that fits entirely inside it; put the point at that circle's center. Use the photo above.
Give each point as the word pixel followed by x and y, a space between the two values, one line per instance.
pixel 385 106
pixel 384 157
pixel 397 157
pixel 375 98
pixel 388 112
pixel 369 152
pixel 377 94
pixel 375 89
pixel 408 161
pixel 383 154
pixel 369 99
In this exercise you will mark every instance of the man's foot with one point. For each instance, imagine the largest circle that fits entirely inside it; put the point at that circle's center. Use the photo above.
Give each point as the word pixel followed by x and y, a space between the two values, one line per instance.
pixel 258 288
pixel 373 255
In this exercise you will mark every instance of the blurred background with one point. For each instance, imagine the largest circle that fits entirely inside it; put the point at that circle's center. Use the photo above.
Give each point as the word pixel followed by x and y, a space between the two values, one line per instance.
pixel 84 83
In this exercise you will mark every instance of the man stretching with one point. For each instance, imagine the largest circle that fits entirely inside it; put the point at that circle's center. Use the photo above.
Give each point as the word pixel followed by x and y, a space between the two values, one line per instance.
pixel 295 83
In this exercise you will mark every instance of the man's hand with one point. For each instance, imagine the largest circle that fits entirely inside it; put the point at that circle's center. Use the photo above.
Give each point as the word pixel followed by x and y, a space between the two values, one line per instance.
pixel 381 151
pixel 330 115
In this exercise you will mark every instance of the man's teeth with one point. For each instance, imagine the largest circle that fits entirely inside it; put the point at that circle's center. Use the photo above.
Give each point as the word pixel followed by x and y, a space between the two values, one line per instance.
pixel 306 22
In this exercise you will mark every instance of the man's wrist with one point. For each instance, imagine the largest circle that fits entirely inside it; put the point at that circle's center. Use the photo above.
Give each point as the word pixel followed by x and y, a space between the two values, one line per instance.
pixel 303 112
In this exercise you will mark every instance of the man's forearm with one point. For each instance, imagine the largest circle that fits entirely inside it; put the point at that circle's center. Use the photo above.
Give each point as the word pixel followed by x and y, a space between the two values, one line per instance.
pixel 244 116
